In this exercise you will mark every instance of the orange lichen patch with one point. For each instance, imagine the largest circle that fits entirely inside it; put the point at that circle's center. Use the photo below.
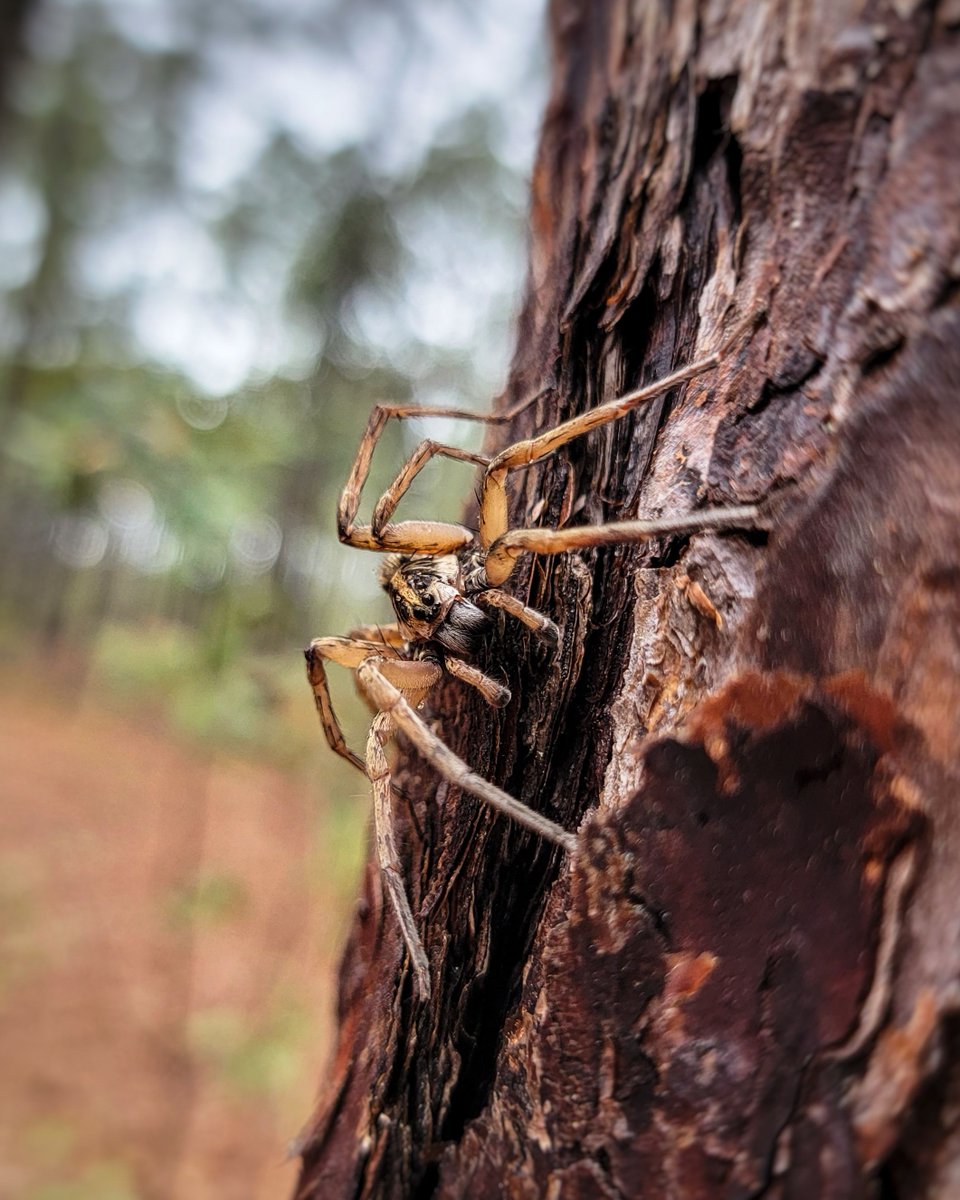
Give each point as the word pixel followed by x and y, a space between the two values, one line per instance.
pixel 686 974
pixel 895 1071
pixel 872 711
pixel 755 701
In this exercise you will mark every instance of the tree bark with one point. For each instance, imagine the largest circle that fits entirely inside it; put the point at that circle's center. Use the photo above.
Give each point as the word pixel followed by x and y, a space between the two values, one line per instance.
pixel 745 981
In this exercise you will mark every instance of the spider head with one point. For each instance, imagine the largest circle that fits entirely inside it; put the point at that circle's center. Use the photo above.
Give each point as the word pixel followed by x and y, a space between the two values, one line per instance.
pixel 426 592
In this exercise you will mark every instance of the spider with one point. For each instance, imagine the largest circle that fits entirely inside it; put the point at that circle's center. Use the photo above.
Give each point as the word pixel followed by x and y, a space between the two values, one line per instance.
pixel 442 580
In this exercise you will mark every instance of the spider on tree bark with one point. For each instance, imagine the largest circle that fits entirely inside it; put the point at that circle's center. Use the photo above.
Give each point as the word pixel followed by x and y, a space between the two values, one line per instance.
pixel 440 578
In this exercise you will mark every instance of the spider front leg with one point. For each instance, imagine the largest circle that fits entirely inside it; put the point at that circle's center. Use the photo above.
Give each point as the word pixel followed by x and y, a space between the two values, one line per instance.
pixel 494 518
pixel 495 694
pixel 387 504
pixel 413 678
pixel 542 626
pixel 350 652
pixel 387 634
pixel 507 549
pixel 410 537
pixel 425 537
pixel 385 723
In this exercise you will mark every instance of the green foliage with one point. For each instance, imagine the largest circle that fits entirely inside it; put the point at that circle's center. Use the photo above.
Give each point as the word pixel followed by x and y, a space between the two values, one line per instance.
pixel 208 691
pixel 50 1141
pixel 254 1060
pixel 109 1179
pixel 341 847
pixel 208 900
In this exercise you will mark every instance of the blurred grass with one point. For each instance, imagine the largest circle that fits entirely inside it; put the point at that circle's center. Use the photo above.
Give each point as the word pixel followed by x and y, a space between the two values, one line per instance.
pixel 262 1059
pixel 107 1180
pixel 255 705
pixel 210 899
pixel 243 704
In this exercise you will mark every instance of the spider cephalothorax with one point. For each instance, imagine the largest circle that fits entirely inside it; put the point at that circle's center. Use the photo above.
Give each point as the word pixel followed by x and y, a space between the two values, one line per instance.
pixel 441 578
pixel 427 594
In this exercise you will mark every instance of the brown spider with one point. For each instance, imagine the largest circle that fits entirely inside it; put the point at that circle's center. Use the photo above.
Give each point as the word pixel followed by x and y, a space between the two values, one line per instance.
pixel 440 578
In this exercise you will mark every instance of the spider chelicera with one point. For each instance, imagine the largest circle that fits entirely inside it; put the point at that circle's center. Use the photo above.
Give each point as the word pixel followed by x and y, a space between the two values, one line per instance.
pixel 442 579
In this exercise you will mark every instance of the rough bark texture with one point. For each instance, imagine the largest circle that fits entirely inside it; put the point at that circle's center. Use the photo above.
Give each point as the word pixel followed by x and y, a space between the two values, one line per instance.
pixel 746 981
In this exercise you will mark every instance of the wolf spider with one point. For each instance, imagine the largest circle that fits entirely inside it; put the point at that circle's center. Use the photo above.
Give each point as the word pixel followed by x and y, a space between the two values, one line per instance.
pixel 442 579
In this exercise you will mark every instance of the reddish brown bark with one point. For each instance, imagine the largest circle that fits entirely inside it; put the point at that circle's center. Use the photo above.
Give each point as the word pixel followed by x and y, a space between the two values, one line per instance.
pixel 745 982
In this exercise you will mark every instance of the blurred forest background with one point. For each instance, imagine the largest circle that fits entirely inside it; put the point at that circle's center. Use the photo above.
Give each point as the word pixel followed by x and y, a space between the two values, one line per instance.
pixel 226 229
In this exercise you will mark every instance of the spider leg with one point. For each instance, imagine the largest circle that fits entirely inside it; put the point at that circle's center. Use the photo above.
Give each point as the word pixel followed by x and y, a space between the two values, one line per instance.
pixel 410 537
pixel 386 505
pixel 505 551
pixel 388 634
pixel 494 520
pixel 388 858
pixel 428 537
pixel 388 698
pixel 348 652
pixel 408 677
pixel 494 693
pixel 542 626
pixel 417 678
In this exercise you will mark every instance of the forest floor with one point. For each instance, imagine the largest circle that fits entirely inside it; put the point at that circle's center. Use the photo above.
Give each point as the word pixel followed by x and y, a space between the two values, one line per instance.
pixel 170 922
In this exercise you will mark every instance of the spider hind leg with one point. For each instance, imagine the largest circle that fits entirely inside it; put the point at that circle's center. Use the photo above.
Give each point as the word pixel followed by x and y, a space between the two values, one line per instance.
pixel 388 858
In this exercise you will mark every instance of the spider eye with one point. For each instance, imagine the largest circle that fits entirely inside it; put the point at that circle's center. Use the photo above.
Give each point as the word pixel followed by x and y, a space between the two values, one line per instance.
pixel 423 612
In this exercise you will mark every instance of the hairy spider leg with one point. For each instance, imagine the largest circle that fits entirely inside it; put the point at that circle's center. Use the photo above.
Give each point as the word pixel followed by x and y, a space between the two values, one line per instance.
pixel 409 537
pixel 387 634
pixel 494 516
pixel 388 859
pixel 428 449
pixel 395 686
pixel 416 677
pixel 378 770
pixel 505 551
pixel 495 694
pixel 389 698
pixel 542 626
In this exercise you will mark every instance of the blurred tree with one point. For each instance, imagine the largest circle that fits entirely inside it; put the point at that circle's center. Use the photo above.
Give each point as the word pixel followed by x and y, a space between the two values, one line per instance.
pixel 744 981
pixel 12 20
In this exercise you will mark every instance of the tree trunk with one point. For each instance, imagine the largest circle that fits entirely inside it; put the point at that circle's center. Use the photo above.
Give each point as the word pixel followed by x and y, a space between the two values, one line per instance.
pixel 745 981
pixel 13 17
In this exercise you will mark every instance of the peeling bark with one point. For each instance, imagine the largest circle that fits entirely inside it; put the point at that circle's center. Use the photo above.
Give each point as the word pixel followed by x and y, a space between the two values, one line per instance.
pixel 745 982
